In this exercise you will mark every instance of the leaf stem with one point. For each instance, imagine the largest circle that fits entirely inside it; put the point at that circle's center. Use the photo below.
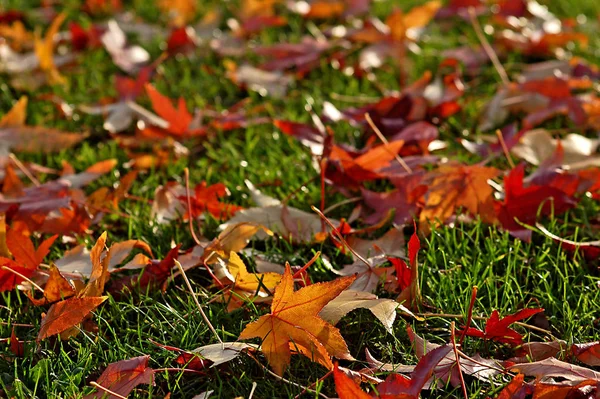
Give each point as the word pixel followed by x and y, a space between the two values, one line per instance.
pixel 489 50
pixel 455 349
pixel 386 143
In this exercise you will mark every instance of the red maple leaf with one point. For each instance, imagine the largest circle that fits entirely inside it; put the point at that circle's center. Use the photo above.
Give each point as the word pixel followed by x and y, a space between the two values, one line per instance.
pixel 522 203
pixel 498 329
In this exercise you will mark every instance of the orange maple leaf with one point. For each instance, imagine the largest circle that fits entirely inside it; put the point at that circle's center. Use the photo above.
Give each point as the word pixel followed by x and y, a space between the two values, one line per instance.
pixel 65 316
pixel 179 118
pixel 180 11
pixel 294 324
pixel 399 22
pixel 456 186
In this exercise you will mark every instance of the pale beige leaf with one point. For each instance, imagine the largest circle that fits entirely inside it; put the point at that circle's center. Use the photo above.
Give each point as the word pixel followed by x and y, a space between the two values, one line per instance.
pixel 349 300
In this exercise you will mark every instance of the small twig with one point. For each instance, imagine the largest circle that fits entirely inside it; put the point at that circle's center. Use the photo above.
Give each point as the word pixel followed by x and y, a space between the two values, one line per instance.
pixel 254 385
pixel 487 48
pixel 186 173
pixel 23 169
pixel 469 315
pixel 280 378
pixel 505 148
pixel 386 143
pixel 341 203
pixel 457 357
pixel 189 285
pixel 96 385
pixel 323 165
pixel 339 236
pixel 23 277
pixel 6 323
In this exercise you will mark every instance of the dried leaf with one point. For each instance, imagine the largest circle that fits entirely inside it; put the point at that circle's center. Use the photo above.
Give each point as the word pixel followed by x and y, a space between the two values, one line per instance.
pixel 123 376
pixel 65 314
pixel 456 186
pixel 294 323
pixel 349 300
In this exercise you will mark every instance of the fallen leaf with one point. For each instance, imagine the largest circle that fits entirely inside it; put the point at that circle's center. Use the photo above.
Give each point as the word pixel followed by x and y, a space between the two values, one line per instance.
pixel 207 199
pixel 153 275
pixel 123 376
pixel 16 347
pixel 44 49
pixel 273 83
pixel 524 203
pixel 552 367
pixel 16 136
pixel 244 285
pixel 180 12
pixel 289 222
pixel 411 296
pixel 65 314
pixel 577 152
pixel 179 119
pixel 349 300
pixel 57 288
pixel 456 186
pixel 294 324
pixel 128 58
pixel 223 352
pixel 395 385
pixel 588 353
pixel 478 367
pixel 345 386
pixel 497 329
pixel 514 386
pixel 26 258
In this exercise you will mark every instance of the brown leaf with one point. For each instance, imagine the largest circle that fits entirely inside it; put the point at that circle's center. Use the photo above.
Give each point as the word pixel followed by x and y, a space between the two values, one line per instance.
pixel 65 314
pixel 552 367
pixel 37 138
pixel 456 186
pixel 57 288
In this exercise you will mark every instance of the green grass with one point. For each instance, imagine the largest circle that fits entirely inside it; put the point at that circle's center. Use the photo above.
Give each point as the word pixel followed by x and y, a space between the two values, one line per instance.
pixel 509 273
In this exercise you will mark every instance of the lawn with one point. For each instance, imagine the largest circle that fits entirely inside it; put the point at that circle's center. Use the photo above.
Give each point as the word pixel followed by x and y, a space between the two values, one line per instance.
pixel 465 249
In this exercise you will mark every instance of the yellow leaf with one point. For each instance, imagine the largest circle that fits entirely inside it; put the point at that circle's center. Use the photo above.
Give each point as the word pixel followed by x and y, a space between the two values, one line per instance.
pixel 250 282
pixel 44 49
pixel 294 323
